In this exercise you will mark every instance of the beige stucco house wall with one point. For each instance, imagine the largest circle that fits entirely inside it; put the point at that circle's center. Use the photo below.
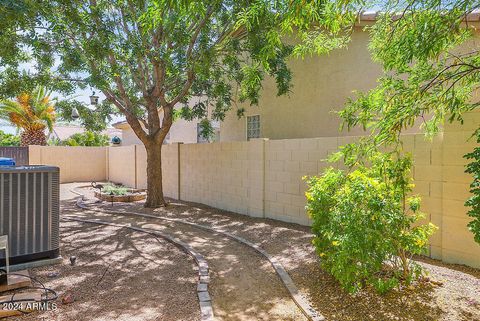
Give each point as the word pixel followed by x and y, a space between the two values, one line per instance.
pixel 321 85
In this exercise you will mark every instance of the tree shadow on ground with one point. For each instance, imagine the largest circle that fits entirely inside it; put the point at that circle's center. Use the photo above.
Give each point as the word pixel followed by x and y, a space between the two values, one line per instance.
pixel 119 274
pixel 291 244
pixel 243 285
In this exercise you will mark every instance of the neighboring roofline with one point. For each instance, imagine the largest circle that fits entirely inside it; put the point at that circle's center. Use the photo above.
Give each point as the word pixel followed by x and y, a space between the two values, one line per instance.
pixel 119 124
pixel 371 15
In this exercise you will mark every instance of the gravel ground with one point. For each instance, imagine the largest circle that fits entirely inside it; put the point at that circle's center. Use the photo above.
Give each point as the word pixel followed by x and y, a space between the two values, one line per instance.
pixel 144 278
pixel 454 293
pixel 243 284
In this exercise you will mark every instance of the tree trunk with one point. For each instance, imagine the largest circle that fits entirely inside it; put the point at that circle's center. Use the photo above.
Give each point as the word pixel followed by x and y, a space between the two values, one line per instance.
pixel 33 137
pixel 154 176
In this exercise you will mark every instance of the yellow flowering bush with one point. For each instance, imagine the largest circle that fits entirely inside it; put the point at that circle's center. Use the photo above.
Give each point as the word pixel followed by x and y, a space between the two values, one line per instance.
pixel 365 224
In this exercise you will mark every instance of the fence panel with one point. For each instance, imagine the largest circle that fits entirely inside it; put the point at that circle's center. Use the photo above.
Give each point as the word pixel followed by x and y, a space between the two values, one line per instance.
pixel 122 165
pixel 20 154
pixel 263 178
pixel 77 164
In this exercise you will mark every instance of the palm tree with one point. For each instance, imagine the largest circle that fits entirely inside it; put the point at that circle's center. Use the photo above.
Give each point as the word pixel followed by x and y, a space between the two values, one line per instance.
pixel 31 112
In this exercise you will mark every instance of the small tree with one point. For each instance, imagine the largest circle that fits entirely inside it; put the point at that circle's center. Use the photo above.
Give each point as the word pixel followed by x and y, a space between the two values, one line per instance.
pixel 33 113
pixel 149 56
pixel 363 223
pixel 426 75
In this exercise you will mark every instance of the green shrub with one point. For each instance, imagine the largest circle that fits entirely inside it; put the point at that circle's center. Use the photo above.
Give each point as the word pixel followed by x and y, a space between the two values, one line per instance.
pixel 87 138
pixel 115 189
pixel 54 141
pixel 366 227
pixel 9 139
pixel 474 201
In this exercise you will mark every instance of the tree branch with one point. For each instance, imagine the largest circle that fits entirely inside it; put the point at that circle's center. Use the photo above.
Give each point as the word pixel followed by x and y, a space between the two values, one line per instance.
pixel 185 88
pixel 197 32
pixel 132 120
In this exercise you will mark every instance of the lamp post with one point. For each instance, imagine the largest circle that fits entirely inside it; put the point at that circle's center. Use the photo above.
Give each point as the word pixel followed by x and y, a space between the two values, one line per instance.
pixel 93 99
pixel 75 114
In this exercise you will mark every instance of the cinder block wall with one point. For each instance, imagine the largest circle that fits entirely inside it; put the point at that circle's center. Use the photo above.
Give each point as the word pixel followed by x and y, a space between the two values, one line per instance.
pixel 263 178
pixel 229 175
pixel 122 165
pixel 287 162
pixel 77 164
pixel 457 242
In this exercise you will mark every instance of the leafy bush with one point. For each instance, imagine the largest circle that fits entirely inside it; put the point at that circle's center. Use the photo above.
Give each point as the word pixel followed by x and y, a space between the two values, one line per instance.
pixel 474 201
pixel 54 141
pixel 9 139
pixel 206 130
pixel 366 227
pixel 115 189
pixel 87 138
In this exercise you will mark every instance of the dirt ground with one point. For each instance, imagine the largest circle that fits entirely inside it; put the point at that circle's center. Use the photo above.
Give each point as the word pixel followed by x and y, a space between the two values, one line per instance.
pixel 243 284
pixel 150 279
pixel 119 275
pixel 454 295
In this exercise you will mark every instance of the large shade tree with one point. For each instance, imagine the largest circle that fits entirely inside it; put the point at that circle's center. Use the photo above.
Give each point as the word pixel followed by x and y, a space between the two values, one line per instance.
pixel 25 60
pixel 148 57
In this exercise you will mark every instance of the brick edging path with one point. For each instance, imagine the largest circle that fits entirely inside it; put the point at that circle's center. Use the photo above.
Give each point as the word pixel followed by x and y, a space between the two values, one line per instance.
pixel 285 278
pixel 204 298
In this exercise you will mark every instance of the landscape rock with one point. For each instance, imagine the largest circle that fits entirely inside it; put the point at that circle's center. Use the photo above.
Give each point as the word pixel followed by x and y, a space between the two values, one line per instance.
pixel 53 274
pixel 68 297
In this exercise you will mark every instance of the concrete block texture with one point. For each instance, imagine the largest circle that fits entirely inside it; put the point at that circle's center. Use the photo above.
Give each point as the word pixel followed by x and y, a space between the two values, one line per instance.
pixel 77 164
pixel 263 178
pixel 272 179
